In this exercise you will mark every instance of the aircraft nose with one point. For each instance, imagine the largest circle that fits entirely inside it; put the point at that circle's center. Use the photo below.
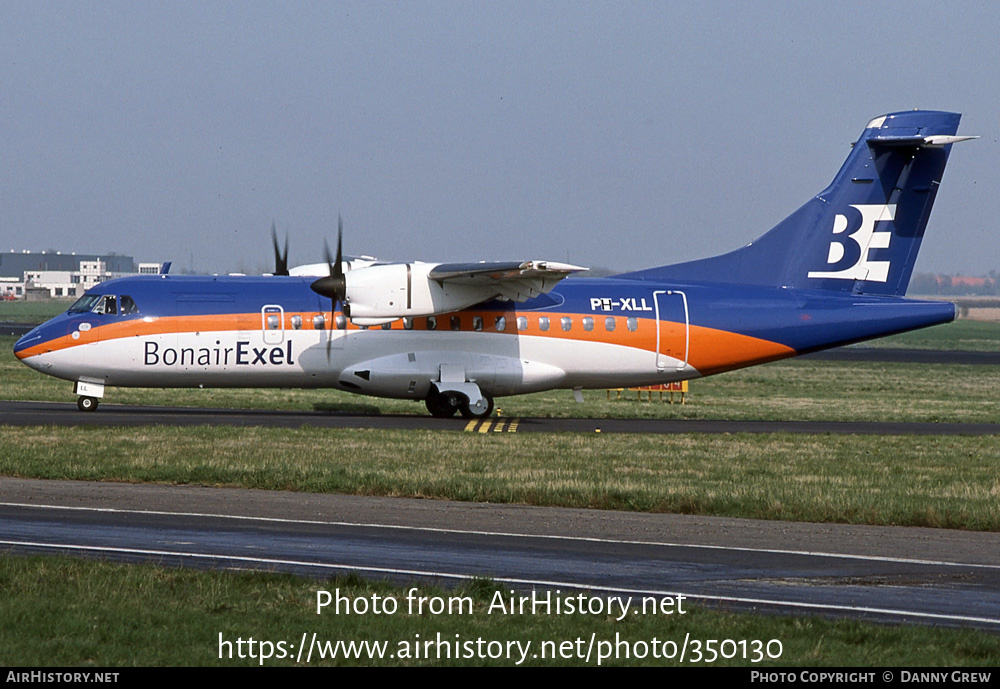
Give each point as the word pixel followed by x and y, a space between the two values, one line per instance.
pixel 26 342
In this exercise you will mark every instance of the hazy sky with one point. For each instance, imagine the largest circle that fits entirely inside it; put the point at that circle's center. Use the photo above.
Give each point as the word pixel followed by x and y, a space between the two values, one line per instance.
pixel 613 134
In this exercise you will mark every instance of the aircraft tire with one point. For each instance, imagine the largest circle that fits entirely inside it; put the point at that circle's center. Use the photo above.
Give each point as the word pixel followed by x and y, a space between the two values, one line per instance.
pixel 440 406
pixel 470 412
pixel 87 403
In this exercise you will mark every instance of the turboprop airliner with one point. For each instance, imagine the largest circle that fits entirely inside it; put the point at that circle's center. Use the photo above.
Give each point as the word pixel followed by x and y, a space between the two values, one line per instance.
pixel 458 335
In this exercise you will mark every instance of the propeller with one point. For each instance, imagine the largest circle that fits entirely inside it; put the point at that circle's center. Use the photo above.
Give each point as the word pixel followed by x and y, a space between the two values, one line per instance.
pixel 333 286
pixel 280 259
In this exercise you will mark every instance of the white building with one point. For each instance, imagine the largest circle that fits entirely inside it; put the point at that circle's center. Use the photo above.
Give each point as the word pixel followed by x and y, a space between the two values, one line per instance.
pixel 11 287
pixel 70 283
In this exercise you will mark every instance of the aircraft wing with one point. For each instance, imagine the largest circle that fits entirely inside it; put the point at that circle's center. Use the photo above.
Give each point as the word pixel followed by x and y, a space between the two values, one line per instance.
pixel 513 280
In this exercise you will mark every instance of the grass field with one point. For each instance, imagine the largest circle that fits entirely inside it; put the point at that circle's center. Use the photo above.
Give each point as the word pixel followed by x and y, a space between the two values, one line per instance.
pixel 32 311
pixel 951 482
pixel 61 612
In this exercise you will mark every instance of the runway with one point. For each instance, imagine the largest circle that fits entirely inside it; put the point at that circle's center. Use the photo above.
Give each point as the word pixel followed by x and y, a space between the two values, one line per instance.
pixel 113 415
pixel 923 576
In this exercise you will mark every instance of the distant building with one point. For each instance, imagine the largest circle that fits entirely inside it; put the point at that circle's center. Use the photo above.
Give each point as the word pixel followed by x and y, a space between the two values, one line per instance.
pixel 15 265
pixel 62 275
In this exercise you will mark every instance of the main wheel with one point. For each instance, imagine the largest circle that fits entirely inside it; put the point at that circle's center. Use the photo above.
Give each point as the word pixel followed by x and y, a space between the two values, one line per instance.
pixel 441 406
pixel 480 411
pixel 87 403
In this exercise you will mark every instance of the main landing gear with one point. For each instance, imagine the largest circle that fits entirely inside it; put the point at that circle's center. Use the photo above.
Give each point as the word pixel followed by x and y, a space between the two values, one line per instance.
pixel 444 405
pixel 87 403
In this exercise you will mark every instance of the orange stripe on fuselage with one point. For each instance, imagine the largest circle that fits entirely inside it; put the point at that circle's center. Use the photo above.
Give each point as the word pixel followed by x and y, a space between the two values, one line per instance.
pixel 710 350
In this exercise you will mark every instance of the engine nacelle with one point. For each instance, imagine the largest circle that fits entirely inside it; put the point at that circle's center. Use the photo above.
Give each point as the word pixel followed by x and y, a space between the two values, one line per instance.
pixel 395 290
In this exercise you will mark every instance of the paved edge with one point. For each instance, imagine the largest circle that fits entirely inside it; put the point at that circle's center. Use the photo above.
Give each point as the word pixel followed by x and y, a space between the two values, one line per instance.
pixel 876 541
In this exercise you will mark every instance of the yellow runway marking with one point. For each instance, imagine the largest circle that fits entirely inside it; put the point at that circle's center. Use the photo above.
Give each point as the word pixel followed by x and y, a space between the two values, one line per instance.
pixel 497 426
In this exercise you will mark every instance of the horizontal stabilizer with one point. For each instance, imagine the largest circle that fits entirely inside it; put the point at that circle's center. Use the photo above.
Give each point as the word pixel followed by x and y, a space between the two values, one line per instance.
pixel 918 141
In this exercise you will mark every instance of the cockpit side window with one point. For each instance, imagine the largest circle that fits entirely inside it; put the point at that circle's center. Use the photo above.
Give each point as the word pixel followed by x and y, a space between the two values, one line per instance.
pixel 108 306
pixel 128 305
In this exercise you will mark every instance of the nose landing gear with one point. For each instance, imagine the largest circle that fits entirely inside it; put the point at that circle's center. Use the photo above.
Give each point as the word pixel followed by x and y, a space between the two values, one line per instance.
pixel 90 394
pixel 87 403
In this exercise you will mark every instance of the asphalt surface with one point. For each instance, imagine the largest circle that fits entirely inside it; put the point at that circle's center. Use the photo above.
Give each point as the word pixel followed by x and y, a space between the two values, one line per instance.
pixel 923 576
pixel 113 415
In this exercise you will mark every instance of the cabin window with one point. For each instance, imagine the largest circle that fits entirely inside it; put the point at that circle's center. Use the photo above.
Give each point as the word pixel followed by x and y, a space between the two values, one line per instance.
pixel 407 323
pixel 272 321
pixel 296 320
pixel 477 323
pixel 387 326
pixel 543 323
pixel 500 323
pixel 522 323
pixel 341 321
pixel 456 323
pixel 432 323
pixel 588 323
pixel 128 305
pixel 632 323
pixel 319 322
pixel 609 324
pixel 566 322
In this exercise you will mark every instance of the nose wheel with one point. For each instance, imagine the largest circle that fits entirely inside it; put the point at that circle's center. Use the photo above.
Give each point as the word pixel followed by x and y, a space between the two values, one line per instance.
pixel 87 403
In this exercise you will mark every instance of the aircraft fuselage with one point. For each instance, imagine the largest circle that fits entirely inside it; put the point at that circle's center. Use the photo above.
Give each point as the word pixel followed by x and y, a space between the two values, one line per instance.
pixel 586 333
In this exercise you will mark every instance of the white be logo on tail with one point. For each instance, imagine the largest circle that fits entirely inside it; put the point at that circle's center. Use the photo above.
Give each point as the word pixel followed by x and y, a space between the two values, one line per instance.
pixel 857 245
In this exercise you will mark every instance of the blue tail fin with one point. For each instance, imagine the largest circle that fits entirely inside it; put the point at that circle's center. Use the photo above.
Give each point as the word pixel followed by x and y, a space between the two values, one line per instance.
pixel 862 233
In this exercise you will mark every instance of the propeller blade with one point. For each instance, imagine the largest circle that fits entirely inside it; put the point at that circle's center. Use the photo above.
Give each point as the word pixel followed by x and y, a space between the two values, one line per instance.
pixel 334 286
pixel 280 259
pixel 338 267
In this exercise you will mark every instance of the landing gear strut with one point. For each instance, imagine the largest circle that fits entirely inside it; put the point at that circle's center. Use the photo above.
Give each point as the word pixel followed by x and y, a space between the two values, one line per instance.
pixel 87 403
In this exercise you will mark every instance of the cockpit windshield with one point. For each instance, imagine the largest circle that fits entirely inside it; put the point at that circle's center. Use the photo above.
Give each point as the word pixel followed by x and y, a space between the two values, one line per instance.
pixel 105 304
pixel 85 303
